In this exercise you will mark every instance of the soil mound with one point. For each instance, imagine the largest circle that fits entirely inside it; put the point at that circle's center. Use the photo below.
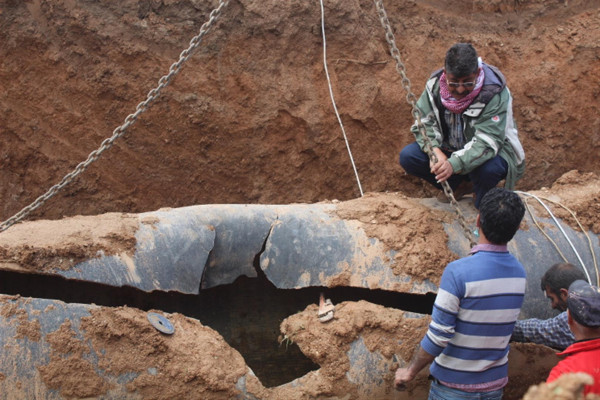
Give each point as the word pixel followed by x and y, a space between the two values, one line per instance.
pixel 249 118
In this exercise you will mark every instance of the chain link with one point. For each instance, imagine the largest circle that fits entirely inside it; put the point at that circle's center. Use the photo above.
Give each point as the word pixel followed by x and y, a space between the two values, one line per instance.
pixel 416 113
pixel 122 129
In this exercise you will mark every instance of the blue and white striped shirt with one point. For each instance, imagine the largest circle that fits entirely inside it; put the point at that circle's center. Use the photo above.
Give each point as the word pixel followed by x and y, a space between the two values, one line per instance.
pixel 474 313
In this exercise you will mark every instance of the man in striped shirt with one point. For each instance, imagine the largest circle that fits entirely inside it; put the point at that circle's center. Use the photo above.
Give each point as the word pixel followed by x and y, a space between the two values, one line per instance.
pixel 478 302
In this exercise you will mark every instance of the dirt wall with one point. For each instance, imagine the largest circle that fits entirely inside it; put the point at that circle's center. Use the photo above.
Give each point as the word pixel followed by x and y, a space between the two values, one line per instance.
pixel 249 118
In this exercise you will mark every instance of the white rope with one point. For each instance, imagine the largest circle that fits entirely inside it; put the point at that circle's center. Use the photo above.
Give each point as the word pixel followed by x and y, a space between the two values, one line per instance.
pixel 332 98
pixel 561 229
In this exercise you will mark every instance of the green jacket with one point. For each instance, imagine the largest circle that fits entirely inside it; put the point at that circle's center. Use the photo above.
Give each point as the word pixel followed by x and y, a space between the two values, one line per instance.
pixel 489 126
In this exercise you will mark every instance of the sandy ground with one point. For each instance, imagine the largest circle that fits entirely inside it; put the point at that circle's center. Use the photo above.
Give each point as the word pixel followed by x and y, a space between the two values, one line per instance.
pixel 249 118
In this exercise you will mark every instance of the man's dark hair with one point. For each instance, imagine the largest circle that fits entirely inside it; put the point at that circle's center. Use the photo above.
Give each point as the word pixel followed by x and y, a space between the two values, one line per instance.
pixel 500 214
pixel 461 60
pixel 560 276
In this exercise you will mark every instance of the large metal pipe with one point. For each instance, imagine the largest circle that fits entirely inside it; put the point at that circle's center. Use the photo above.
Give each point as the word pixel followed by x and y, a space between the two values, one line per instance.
pixel 47 354
pixel 186 249
pixel 52 350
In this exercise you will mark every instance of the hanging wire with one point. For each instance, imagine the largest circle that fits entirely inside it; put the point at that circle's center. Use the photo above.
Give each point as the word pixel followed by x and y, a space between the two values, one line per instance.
pixel 337 114
pixel 565 234
pixel 543 231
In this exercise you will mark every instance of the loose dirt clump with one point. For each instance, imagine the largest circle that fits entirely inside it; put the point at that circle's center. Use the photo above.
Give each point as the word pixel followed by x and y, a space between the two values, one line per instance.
pixel 407 227
pixel 195 356
pixel 565 387
pixel 68 371
pixel 574 198
pixel 193 362
pixel 328 344
pixel 43 245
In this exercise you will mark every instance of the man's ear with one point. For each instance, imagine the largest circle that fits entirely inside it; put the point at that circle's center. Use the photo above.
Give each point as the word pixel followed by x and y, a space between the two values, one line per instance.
pixel 478 223
pixel 564 294
pixel 569 317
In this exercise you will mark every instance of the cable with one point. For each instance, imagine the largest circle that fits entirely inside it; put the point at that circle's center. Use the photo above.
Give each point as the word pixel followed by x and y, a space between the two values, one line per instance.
pixel 595 262
pixel 333 100
pixel 561 229
pixel 543 231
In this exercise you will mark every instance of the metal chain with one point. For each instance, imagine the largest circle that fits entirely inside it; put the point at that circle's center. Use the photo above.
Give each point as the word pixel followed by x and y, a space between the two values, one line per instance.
pixel 416 113
pixel 122 129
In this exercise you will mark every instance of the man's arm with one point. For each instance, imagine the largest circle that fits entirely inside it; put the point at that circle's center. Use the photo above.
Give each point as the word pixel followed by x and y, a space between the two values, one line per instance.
pixel 553 332
pixel 418 362
pixel 442 169
pixel 429 120
pixel 440 332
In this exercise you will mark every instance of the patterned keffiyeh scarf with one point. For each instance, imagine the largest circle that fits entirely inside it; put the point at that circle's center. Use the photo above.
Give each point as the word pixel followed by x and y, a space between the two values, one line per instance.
pixel 458 106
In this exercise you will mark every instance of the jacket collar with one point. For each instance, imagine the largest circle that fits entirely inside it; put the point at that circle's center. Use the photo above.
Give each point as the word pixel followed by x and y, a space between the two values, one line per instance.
pixel 493 84
pixel 583 345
